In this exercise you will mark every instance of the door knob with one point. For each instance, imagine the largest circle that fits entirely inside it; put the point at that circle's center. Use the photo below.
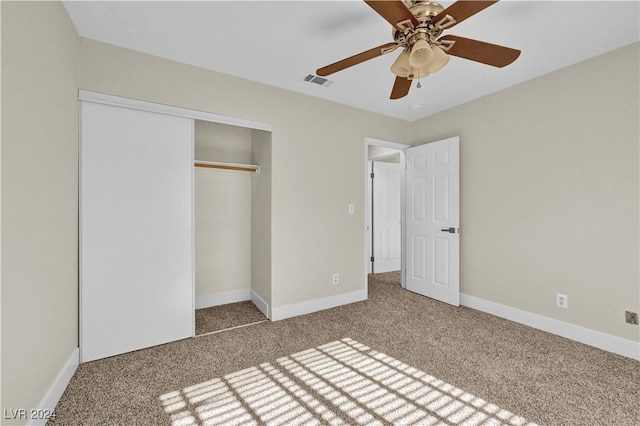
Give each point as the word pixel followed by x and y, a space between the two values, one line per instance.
pixel 450 230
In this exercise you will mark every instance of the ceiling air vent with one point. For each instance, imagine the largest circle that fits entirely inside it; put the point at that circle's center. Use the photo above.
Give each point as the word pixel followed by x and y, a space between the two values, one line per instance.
pixel 312 78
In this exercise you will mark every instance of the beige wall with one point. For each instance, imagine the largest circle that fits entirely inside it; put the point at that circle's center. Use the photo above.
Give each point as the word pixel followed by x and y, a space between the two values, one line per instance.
pixel 375 151
pixel 39 199
pixel 549 192
pixel 222 142
pixel 222 231
pixel 261 216
pixel 317 152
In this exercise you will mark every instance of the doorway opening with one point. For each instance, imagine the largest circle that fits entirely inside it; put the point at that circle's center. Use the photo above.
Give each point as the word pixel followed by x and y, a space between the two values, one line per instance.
pixel 384 227
pixel 429 216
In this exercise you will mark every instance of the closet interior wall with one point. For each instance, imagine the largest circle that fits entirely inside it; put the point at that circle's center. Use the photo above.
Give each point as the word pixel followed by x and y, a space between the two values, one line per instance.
pixel 232 216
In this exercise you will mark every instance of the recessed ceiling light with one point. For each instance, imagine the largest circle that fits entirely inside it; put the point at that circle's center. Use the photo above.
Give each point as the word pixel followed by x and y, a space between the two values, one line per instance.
pixel 415 106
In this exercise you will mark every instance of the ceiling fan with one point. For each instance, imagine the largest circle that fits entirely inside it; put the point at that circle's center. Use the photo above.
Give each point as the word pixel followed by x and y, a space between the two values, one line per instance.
pixel 417 24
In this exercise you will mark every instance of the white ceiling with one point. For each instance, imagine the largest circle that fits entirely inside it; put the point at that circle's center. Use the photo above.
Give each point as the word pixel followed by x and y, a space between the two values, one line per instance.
pixel 279 42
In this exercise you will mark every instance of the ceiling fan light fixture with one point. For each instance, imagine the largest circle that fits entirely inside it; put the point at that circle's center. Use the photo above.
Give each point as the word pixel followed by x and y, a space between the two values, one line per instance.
pixel 440 59
pixel 401 66
pixel 421 54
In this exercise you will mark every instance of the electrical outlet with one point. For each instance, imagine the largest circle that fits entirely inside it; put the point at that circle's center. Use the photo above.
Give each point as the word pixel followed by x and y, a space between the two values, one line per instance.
pixel 562 301
pixel 335 279
pixel 631 317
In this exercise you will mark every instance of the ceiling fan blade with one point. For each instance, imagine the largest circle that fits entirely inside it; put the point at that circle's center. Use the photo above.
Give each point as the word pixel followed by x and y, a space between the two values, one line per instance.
pixel 400 88
pixel 480 51
pixel 394 12
pixel 356 59
pixel 461 10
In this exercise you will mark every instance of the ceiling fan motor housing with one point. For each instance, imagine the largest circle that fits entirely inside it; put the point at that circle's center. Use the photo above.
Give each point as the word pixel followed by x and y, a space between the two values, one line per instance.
pixel 424 11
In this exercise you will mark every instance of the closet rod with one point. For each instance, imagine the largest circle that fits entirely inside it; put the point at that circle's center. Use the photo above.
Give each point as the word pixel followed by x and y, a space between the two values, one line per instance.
pixel 239 167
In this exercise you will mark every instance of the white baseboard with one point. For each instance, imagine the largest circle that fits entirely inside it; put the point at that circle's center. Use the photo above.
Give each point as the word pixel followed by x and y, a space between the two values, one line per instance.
pixel 260 304
pixel 53 395
pixel 607 342
pixel 307 307
pixel 222 298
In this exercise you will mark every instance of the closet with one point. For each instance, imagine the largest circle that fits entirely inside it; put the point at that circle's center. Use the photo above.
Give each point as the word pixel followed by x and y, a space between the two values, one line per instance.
pixel 232 211
pixel 138 254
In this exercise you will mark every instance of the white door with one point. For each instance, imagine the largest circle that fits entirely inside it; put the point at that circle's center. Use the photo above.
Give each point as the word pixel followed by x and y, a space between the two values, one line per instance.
pixel 432 241
pixel 136 262
pixel 386 216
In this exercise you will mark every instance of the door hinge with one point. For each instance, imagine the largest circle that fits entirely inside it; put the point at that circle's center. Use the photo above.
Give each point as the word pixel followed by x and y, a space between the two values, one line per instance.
pixel 372 175
pixel 372 258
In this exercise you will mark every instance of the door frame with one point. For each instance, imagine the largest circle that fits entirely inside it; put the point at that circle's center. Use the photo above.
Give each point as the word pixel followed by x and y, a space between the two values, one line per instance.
pixel 400 148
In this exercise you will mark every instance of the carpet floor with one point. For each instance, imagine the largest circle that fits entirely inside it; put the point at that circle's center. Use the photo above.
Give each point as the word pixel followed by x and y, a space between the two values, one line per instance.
pixel 396 358
pixel 230 315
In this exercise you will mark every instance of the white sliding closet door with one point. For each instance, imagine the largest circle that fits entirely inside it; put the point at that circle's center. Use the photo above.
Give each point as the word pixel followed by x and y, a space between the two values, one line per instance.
pixel 136 224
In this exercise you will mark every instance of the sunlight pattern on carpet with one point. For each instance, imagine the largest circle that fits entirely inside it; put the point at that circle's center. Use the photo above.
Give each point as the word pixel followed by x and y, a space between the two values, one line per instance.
pixel 339 383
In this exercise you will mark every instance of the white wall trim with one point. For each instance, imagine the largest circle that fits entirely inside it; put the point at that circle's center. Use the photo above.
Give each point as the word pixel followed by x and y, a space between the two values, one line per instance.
pixel 260 304
pixel 314 305
pixel 222 298
pixel 607 342
pixel 101 98
pixel 57 388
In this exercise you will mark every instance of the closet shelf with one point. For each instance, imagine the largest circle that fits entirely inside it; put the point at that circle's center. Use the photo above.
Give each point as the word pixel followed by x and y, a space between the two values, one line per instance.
pixel 228 166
